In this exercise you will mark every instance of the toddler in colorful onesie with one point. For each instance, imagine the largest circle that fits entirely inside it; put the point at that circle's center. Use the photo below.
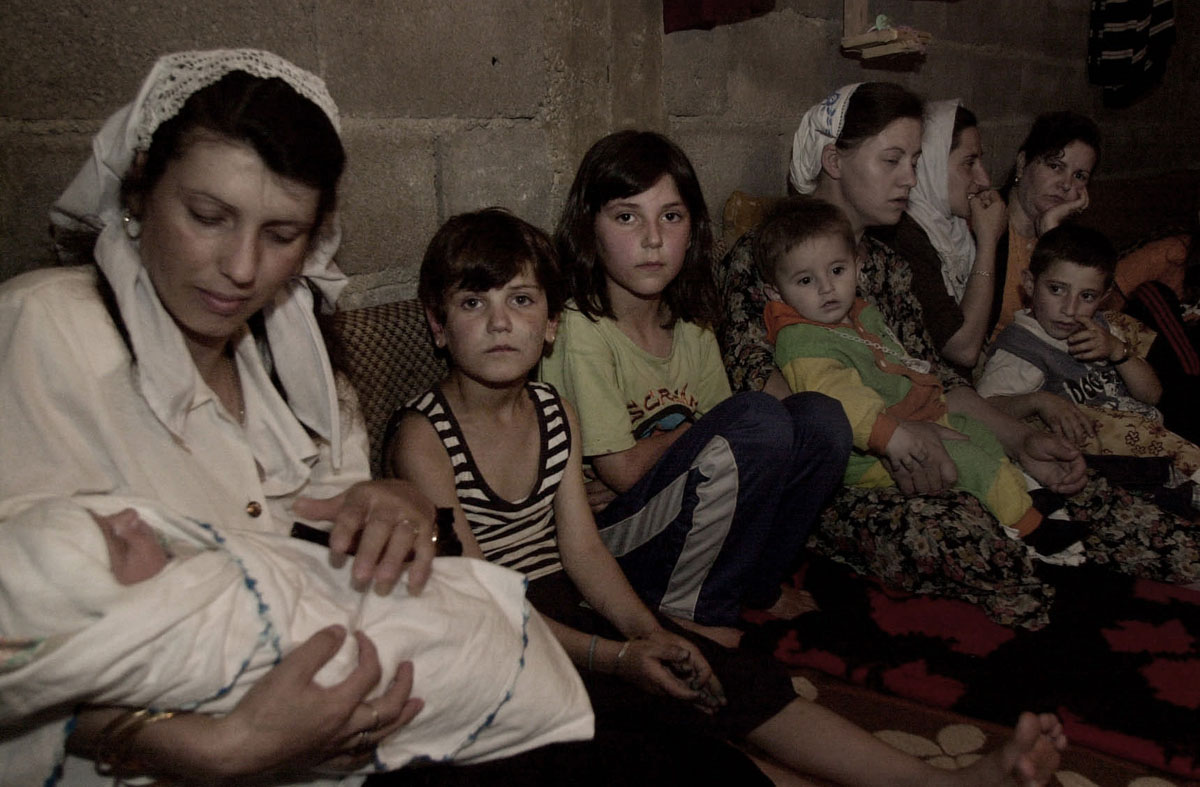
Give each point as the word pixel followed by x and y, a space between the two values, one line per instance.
pixel 829 340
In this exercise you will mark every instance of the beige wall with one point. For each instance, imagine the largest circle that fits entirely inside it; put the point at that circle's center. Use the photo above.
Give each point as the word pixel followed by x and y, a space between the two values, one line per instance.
pixel 451 105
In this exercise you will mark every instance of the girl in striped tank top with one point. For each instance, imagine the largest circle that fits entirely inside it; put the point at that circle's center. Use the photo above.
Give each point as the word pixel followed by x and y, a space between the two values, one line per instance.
pixel 504 453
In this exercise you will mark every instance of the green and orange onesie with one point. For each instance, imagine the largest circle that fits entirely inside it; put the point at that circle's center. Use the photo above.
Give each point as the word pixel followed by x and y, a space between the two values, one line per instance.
pixel 862 366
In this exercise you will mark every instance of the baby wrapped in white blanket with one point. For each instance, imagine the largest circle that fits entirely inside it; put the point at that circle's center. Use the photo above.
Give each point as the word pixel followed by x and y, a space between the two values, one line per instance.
pixel 229 604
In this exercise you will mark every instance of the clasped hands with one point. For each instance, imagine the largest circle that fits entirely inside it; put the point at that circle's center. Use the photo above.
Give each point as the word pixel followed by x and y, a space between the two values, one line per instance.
pixel 661 662
pixel 919 464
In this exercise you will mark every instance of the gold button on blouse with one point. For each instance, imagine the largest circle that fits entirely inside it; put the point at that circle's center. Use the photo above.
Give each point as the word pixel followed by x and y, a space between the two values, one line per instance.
pixel 254 508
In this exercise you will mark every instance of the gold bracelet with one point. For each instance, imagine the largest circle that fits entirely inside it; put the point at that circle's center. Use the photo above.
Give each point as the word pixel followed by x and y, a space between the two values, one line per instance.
pixel 982 274
pixel 116 739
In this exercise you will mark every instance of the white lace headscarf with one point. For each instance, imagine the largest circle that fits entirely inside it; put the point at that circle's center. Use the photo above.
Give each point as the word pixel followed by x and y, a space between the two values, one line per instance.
pixel 820 126
pixel 929 201
pixel 92 203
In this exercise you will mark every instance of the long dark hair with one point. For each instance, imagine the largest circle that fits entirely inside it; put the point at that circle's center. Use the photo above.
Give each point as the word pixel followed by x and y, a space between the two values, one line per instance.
pixel 872 107
pixel 963 120
pixel 292 135
pixel 485 250
pixel 621 165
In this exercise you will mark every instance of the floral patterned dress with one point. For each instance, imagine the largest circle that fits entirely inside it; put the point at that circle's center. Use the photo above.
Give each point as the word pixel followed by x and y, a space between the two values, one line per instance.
pixel 947 544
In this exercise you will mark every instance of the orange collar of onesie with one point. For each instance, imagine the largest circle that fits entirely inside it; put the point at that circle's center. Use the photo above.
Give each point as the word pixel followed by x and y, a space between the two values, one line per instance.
pixel 778 315
pixel 924 402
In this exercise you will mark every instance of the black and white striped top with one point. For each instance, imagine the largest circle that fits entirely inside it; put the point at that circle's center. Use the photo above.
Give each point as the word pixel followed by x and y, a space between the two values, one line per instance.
pixel 518 535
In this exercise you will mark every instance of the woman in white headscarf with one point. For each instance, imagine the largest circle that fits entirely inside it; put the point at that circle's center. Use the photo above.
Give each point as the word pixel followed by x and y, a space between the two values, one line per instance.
pixel 183 375
pixel 186 367
pixel 949 236
pixel 859 150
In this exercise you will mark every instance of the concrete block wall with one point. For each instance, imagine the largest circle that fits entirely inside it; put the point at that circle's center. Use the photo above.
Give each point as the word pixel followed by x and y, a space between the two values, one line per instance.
pixel 734 95
pixel 451 105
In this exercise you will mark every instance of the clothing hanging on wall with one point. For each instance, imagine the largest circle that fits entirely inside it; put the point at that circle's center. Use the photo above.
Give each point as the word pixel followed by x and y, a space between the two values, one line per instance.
pixel 1128 44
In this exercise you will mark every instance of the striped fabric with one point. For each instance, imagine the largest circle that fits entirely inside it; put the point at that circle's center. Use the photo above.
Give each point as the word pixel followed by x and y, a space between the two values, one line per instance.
pixel 518 535
pixel 1128 45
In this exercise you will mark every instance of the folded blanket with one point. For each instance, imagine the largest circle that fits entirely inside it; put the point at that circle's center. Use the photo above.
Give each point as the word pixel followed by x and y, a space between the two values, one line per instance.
pixel 229 606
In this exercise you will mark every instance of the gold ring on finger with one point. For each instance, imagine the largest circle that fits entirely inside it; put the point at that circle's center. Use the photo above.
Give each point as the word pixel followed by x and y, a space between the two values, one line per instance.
pixel 374 717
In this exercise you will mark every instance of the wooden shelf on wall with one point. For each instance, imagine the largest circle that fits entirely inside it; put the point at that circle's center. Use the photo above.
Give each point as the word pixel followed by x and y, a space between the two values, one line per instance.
pixel 857 37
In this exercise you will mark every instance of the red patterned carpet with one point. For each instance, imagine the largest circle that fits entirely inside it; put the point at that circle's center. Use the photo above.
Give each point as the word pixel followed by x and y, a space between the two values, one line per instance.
pixel 1119 663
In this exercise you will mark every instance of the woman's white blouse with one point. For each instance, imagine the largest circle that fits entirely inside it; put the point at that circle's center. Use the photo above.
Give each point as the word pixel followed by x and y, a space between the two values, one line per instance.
pixel 75 422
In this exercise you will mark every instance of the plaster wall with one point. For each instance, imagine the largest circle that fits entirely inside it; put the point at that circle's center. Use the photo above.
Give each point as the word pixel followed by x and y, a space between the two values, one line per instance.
pixel 451 105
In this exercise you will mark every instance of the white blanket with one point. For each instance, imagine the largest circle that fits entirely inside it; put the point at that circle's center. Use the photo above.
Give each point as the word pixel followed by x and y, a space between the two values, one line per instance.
pixel 202 631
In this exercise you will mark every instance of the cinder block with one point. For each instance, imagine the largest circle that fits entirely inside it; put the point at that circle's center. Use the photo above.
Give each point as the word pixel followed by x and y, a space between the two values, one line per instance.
pixel 781 64
pixel 636 64
pixel 34 170
pixel 434 58
pixel 949 72
pixel 753 159
pixel 1065 29
pixel 75 59
pixel 389 198
pixel 506 165
pixel 696 64
pixel 1046 87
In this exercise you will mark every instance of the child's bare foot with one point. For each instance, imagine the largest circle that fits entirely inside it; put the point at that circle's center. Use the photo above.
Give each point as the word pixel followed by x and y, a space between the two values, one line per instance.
pixel 1033 752
pixel 722 635
pixel 1030 757
pixel 793 602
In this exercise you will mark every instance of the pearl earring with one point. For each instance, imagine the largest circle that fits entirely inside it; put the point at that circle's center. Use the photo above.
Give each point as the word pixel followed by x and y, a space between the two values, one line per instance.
pixel 133 227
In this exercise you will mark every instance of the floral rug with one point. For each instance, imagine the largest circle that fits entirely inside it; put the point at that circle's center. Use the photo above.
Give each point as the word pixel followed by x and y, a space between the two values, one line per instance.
pixel 1119 662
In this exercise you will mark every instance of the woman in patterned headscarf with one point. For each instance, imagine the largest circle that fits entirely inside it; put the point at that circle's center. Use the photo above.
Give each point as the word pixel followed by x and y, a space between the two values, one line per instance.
pixel 859 149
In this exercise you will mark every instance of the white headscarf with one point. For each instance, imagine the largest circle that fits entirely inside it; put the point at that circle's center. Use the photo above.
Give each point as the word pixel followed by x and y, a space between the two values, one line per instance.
pixel 92 203
pixel 821 125
pixel 929 201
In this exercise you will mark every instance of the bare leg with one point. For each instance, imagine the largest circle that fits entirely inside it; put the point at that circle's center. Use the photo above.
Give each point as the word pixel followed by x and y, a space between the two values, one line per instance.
pixel 793 602
pixel 816 741
pixel 722 635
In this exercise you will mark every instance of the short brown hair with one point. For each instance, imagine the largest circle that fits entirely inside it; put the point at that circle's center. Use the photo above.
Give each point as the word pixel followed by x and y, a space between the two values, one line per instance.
pixel 1082 246
pixel 793 221
pixel 485 250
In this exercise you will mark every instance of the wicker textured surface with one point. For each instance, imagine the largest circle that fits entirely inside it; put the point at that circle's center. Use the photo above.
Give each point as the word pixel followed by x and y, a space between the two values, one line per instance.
pixel 387 353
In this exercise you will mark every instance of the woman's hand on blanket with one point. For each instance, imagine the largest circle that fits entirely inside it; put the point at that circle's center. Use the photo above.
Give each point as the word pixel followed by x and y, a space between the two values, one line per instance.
pixel 917 460
pixel 1064 418
pixel 389 521
pixel 665 663
pixel 287 722
pixel 1054 462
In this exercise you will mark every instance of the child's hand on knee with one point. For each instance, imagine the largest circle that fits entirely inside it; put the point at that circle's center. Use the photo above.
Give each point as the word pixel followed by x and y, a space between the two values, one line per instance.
pixel 1065 418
